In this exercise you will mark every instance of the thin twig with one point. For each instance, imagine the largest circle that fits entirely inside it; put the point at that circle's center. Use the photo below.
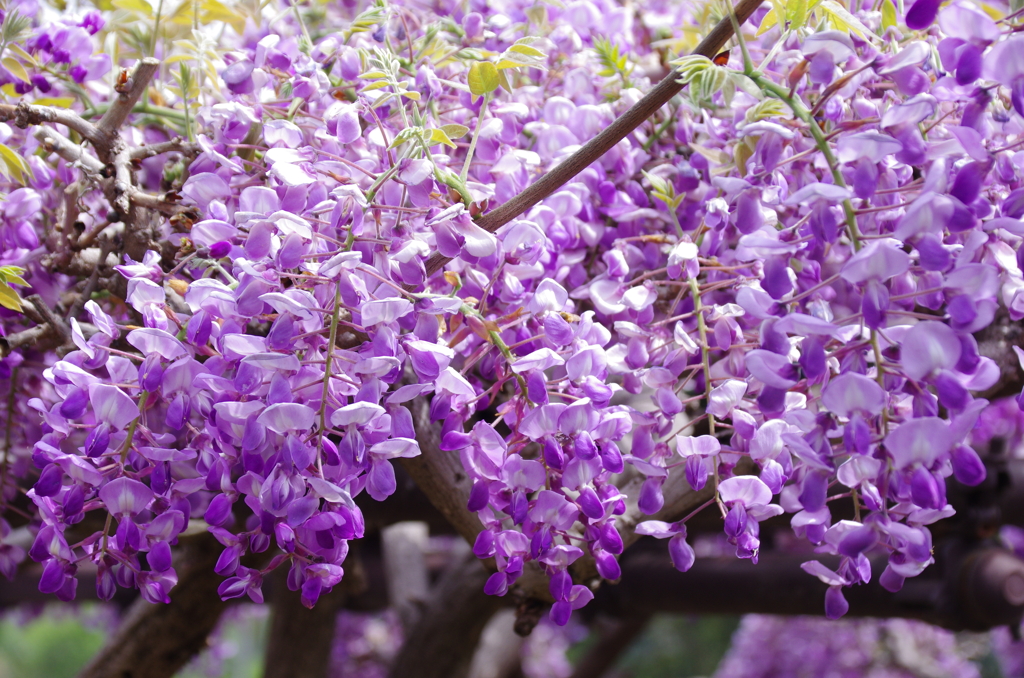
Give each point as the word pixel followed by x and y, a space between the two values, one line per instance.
pixel 52 320
pixel 176 144
pixel 23 115
pixel 90 284
pixel 119 110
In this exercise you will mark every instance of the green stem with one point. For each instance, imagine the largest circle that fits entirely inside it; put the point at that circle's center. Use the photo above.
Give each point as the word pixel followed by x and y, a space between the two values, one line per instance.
pixel 335 317
pixel 705 359
pixel 775 48
pixel 156 28
pixel 801 112
pixel 748 65
pixel 188 123
pixel 161 111
pixel 501 346
pixel 820 140
pixel 472 143
pixel 106 532
pixel 132 426
pixel 661 130
pixel 371 192
pixel 702 328
pixel 307 42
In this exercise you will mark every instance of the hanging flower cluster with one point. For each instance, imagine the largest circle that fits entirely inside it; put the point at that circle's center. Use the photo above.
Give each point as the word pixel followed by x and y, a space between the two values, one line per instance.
pixel 771 287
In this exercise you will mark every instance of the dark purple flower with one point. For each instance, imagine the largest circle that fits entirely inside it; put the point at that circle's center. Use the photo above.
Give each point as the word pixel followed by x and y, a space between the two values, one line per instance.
pixel 922 14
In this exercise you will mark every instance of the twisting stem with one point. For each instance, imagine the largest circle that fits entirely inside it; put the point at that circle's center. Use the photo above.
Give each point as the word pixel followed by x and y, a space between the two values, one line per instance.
pixel 132 426
pixel 496 339
pixel 748 65
pixel 702 328
pixel 472 143
pixel 820 139
pixel 335 317
pixel 118 112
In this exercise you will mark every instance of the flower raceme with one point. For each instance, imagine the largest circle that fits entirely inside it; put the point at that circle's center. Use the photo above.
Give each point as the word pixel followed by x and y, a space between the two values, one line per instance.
pixel 783 271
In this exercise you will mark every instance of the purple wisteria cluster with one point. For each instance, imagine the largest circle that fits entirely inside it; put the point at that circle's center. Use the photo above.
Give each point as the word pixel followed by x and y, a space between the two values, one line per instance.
pixel 766 646
pixel 771 287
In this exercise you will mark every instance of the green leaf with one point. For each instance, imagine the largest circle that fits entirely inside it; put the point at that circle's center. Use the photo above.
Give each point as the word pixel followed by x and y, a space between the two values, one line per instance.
pixel 658 184
pixel 214 10
pixel 14 162
pixel 769 20
pixel 415 96
pixel 12 275
pixel 538 15
pixel 521 54
pixel 438 136
pixel 455 131
pixel 407 134
pixel 25 56
pixel 766 108
pixel 56 102
pixel 842 20
pixel 138 6
pixel 796 13
pixel 483 78
pixel 9 298
pixel 888 15
pixel 528 51
pixel 15 68
pixel 691 66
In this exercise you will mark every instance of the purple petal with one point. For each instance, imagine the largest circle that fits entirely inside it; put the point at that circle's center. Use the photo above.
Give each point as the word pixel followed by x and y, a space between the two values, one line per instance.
pixel 852 393
pixel 857 541
pixel 381 483
pixel 835 604
pixel 746 490
pixel 771 368
pixel 682 554
pixel 967 466
pixel 541 359
pixel 125 496
pixel 112 406
pixel 921 15
pixel 921 440
pixel 150 340
pixel 284 417
pixel 929 346
pixel 657 529
pixel 878 260
pixel 384 311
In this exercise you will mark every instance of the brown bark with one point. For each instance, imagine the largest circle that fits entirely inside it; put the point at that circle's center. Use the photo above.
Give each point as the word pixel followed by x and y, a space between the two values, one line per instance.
pixel 440 475
pixel 441 645
pixel 300 640
pixel 978 589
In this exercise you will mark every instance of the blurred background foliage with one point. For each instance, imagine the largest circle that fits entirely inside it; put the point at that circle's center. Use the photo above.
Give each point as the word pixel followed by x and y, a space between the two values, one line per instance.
pixel 56 641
